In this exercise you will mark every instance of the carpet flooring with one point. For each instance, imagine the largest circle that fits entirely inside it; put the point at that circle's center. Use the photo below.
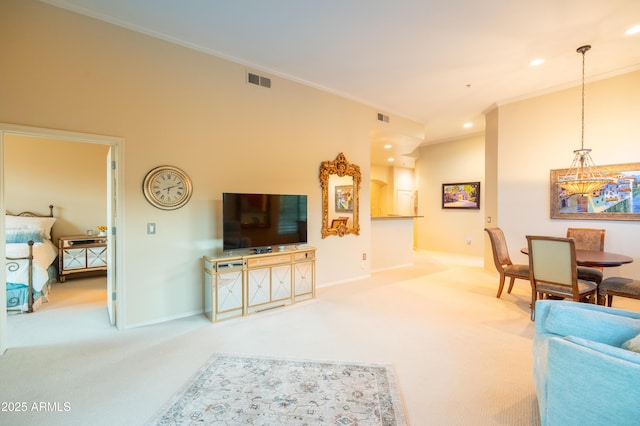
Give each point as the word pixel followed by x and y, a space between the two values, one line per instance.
pixel 460 356
pixel 234 390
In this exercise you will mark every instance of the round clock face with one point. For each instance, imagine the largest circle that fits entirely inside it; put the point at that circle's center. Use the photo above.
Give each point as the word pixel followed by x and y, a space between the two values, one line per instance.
pixel 167 187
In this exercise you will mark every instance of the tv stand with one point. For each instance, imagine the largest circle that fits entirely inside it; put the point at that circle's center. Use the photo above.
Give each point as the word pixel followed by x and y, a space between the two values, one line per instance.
pixel 239 284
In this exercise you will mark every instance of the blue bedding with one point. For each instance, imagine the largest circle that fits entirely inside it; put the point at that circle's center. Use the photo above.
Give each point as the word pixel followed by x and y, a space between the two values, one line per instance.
pixel 17 294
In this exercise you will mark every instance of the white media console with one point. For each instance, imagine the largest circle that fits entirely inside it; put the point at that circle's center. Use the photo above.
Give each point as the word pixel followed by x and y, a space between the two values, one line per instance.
pixel 238 283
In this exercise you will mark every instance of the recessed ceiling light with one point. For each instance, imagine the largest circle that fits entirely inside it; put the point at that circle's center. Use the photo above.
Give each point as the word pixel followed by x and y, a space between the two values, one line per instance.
pixel 390 159
pixel 536 62
pixel 467 125
pixel 633 30
pixel 387 146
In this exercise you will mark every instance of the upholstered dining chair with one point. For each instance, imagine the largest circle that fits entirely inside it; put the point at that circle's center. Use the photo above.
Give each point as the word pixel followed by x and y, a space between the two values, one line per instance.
pixel 553 271
pixel 503 263
pixel 588 239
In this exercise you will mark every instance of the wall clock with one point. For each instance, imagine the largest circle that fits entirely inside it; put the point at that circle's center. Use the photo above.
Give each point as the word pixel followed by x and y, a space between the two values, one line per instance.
pixel 167 187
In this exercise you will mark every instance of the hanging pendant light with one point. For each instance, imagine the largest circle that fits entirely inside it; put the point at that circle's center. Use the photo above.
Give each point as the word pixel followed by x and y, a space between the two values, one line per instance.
pixel 583 176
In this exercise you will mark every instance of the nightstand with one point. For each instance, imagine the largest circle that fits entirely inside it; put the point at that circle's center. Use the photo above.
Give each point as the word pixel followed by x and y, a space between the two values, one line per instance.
pixel 81 253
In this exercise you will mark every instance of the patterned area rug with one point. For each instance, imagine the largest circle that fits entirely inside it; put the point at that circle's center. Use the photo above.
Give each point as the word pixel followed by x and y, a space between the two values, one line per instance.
pixel 234 390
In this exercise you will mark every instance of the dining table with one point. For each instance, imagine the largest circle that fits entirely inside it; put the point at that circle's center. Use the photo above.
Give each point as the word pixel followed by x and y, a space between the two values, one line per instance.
pixel 595 258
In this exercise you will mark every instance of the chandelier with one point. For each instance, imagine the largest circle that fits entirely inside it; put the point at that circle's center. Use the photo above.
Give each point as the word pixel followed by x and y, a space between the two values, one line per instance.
pixel 583 177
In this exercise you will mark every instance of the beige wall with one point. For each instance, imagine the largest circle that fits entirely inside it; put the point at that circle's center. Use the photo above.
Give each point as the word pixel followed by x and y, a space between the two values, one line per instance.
pixel 448 230
pixel 381 187
pixel 490 197
pixel 70 175
pixel 525 140
pixel 177 106
pixel 540 134
pixel 385 184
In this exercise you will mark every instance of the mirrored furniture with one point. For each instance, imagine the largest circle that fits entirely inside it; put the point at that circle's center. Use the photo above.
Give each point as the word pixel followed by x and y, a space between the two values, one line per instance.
pixel 239 284
pixel 81 253
pixel 340 182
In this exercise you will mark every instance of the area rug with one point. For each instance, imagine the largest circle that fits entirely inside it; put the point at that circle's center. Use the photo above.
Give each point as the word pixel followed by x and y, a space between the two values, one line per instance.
pixel 235 390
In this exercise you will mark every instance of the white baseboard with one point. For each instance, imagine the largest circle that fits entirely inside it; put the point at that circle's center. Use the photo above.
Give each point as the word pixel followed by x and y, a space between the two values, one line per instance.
pixel 388 268
pixel 451 258
pixel 165 319
pixel 329 284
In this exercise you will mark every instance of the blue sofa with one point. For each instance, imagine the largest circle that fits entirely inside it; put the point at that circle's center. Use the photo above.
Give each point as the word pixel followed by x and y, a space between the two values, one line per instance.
pixel 582 374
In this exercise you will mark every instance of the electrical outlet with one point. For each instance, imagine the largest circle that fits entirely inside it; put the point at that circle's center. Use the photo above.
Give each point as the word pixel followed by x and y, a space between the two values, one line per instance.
pixel 469 241
pixel 151 228
pixel 364 256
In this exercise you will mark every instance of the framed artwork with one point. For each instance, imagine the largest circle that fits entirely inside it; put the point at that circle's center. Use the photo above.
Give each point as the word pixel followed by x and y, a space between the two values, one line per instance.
pixel 462 195
pixel 344 198
pixel 617 200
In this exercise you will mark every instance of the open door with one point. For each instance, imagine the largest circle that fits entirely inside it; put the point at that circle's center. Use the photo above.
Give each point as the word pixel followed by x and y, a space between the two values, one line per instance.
pixel 111 240
pixel 114 215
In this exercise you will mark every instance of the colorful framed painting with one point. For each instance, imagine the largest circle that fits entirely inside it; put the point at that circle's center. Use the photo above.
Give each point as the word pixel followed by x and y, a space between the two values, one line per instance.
pixel 344 198
pixel 617 200
pixel 463 195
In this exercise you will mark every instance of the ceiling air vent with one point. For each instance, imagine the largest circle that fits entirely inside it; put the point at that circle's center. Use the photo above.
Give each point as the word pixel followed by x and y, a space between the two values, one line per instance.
pixel 258 80
pixel 382 117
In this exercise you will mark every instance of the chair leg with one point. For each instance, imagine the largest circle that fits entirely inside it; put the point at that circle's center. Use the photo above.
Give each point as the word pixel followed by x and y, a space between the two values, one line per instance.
pixel 609 299
pixel 501 286
pixel 534 297
pixel 511 284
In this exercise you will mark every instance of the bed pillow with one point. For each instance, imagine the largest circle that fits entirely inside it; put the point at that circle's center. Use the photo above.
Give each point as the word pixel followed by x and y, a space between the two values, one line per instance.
pixel 42 224
pixel 23 236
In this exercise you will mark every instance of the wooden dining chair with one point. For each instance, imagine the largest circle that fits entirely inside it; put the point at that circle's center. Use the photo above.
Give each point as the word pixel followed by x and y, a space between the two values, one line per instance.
pixel 553 271
pixel 504 265
pixel 588 239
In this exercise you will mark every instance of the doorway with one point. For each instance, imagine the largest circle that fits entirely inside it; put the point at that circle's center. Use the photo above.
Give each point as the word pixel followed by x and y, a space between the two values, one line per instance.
pixel 113 164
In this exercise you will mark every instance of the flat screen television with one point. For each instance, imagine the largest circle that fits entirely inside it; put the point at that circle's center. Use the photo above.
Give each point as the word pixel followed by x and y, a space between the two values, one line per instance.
pixel 261 221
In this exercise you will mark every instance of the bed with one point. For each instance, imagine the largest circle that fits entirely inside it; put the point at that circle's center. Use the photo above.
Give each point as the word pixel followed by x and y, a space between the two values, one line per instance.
pixel 30 259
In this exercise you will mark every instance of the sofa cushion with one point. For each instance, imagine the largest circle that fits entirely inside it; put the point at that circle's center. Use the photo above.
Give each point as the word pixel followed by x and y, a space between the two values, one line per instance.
pixel 632 344
pixel 610 329
pixel 588 383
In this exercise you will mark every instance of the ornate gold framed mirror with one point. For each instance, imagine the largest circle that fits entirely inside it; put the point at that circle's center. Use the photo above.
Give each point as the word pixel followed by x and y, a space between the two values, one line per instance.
pixel 340 182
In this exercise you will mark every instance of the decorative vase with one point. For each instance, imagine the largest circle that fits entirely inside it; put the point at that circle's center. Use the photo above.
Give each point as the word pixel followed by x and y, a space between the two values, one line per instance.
pixel 102 233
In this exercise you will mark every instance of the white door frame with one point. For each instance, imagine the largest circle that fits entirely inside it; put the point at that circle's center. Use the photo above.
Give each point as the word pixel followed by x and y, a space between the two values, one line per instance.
pixel 115 214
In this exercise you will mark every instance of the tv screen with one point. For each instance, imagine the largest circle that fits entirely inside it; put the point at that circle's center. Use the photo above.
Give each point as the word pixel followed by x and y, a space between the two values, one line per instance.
pixel 263 220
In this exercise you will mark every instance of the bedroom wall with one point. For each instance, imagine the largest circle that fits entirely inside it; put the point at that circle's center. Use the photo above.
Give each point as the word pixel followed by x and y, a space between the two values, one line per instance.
pixel 448 230
pixel 70 175
pixel 540 134
pixel 177 106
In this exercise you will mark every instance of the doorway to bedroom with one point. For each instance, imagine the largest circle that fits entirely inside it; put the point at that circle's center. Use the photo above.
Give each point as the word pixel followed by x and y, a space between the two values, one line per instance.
pixel 77 174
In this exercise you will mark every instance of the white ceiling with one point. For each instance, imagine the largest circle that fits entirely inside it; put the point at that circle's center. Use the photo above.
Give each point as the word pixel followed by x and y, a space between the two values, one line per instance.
pixel 440 62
